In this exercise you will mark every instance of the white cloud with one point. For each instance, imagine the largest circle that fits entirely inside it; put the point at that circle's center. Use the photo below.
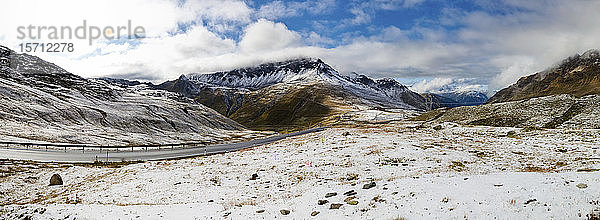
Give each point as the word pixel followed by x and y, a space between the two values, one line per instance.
pixel 441 85
pixel 268 36
pixel 280 9
pixel 315 39
pixel 275 10
pixel 363 11
pixel 432 85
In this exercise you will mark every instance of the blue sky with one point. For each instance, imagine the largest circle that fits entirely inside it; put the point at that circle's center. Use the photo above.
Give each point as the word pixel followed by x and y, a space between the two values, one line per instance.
pixel 430 44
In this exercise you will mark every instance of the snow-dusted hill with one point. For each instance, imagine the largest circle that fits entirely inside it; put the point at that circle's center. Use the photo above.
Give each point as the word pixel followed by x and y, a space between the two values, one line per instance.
pixel 40 101
pixel 557 111
pixel 291 94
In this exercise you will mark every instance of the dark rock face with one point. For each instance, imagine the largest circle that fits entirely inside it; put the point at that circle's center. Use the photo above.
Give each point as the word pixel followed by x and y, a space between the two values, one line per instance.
pixel 578 75
pixel 56 180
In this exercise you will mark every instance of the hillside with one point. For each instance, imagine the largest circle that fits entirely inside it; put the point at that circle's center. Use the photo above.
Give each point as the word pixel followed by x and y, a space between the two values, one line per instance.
pixel 40 101
pixel 558 111
pixel 578 75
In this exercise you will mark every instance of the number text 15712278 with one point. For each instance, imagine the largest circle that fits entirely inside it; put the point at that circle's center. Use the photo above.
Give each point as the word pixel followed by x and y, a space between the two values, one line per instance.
pixel 46 47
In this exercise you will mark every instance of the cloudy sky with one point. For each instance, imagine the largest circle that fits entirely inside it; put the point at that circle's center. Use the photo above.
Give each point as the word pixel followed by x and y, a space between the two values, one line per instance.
pixel 429 44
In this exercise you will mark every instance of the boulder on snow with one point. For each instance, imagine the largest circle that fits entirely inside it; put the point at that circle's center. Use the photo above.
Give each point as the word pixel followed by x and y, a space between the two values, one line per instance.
pixel 335 206
pixel 56 180
pixel 369 185
pixel 332 194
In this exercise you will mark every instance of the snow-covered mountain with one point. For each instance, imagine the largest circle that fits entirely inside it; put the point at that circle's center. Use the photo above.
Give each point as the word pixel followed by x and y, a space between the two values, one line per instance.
pixel 40 101
pixel 292 93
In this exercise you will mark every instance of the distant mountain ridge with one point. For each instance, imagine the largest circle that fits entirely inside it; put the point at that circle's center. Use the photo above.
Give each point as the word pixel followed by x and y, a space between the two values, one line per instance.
pixel 578 75
pixel 291 93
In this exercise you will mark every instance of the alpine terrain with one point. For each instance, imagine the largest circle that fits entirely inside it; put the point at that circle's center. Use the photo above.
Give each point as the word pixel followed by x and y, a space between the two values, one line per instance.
pixel 565 96
pixel 578 75
pixel 293 94
pixel 41 102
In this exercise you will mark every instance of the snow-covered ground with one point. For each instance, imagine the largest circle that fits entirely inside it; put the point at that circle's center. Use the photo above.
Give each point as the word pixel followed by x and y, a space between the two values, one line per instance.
pixel 439 172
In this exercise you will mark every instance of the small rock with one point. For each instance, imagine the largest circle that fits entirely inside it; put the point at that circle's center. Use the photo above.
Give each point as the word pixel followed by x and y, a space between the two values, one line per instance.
pixel 346 133
pixel 335 206
pixel 582 185
pixel 284 212
pixel 56 180
pixel 260 211
pixel 369 185
pixel 322 202
pixel 498 185
pixel 352 177
pixel 530 201
pixel 350 193
pixel 211 200
pixel 315 213
pixel 353 202
pixel 511 133
pixel 349 199
pixel 254 176
pixel 330 194
pixel 445 200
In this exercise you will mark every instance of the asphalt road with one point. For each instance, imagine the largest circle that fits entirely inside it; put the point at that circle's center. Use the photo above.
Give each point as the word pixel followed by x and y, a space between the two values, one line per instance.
pixel 78 156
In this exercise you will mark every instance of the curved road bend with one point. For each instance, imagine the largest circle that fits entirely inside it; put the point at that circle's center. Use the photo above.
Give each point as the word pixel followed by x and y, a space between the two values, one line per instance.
pixel 77 156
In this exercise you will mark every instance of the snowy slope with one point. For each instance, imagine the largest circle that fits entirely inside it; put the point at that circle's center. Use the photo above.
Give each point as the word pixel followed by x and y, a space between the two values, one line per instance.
pixel 40 101
pixel 451 172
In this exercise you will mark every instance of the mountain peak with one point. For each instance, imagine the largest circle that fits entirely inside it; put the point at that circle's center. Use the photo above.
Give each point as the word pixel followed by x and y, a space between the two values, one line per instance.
pixel 266 74
pixel 591 54
pixel 183 77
